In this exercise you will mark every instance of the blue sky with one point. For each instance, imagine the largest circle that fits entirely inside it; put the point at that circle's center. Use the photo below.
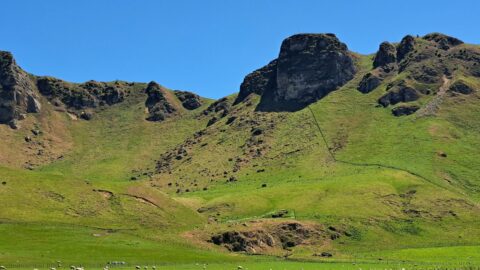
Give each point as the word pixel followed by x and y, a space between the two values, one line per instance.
pixel 204 46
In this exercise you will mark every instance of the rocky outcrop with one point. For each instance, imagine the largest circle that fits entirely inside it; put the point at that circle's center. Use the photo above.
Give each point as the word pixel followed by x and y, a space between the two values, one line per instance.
pixel 91 94
pixel 369 82
pixel 308 67
pixel 18 94
pixel 406 46
pixel 190 101
pixel 397 94
pixel 159 108
pixel 258 82
pixel 461 87
pixel 282 236
pixel 217 110
pixel 387 54
pixel 443 42
pixel 404 110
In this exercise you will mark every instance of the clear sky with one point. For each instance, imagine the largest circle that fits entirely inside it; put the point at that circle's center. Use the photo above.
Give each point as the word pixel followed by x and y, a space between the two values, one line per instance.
pixel 205 46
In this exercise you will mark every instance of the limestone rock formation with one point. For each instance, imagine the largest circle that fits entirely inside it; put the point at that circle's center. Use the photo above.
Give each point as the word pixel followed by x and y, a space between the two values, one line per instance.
pixel 18 94
pixel 309 67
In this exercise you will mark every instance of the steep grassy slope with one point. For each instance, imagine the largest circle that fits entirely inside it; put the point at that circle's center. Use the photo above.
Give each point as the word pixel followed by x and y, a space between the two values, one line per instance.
pixel 372 185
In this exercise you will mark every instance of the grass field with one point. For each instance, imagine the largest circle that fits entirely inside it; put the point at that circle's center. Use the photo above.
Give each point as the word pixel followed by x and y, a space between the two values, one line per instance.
pixel 341 162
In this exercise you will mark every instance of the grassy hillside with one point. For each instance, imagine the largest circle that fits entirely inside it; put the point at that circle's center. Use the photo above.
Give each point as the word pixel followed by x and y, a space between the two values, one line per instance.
pixel 393 188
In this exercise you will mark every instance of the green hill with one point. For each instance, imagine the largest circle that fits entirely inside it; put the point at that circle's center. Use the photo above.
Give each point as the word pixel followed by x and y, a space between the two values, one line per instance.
pixel 324 155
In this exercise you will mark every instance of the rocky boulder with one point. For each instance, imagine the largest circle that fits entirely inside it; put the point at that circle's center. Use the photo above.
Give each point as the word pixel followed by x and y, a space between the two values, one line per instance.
pixel 404 110
pixel 387 53
pixel 461 87
pixel 397 94
pixel 190 101
pixel 18 95
pixel 369 82
pixel 159 108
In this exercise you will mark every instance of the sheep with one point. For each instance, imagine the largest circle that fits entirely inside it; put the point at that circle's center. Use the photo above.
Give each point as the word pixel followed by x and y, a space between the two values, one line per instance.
pixel 137 267
pixel 2 267
pixel 154 267
pixel 53 268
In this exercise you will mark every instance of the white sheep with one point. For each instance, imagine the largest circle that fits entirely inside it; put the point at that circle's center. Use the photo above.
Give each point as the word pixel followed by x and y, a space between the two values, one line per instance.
pixel 137 267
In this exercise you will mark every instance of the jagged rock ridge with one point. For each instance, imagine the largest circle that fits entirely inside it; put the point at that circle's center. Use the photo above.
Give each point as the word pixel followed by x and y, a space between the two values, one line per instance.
pixel 428 63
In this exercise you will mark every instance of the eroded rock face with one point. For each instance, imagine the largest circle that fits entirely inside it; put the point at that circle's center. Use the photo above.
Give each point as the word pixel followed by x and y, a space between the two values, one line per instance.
pixel 387 53
pixel 190 101
pixel 309 67
pixel 258 82
pixel 157 104
pixel 17 91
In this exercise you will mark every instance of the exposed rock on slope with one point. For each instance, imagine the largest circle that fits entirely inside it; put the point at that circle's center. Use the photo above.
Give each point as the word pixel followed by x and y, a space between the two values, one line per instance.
pixel 157 104
pixel 424 62
pixel 267 237
pixel 91 94
pixel 190 101
pixel 17 91
pixel 387 54
pixel 258 82
pixel 443 42
pixel 309 67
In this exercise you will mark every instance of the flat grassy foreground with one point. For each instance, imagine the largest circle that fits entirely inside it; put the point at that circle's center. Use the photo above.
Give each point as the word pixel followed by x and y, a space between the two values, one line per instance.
pixel 289 265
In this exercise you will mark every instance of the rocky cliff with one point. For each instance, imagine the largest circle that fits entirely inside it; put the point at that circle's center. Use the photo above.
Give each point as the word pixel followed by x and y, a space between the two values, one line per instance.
pixel 18 95
pixel 308 67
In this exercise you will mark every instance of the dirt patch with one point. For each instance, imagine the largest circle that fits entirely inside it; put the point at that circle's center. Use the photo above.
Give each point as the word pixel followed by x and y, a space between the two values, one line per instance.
pixel 54 196
pixel 142 200
pixel 105 193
